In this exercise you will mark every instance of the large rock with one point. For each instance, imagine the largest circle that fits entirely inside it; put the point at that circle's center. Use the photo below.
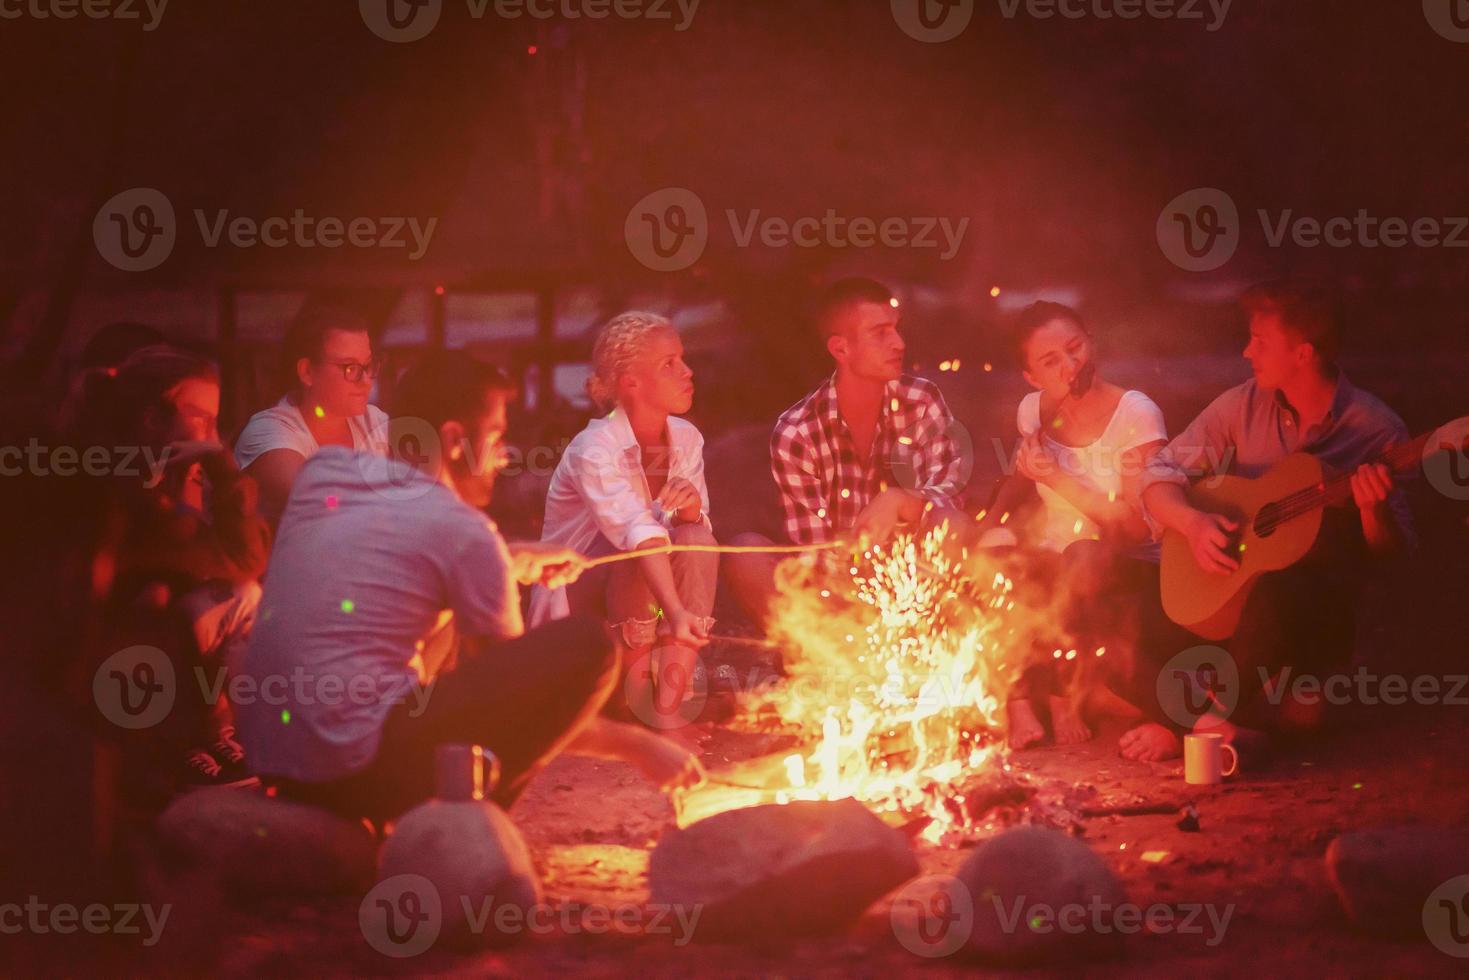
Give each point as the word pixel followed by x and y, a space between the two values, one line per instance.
pixel 780 871
pixel 1384 876
pixel 1036 895
pixel 471 854
pixel 252 845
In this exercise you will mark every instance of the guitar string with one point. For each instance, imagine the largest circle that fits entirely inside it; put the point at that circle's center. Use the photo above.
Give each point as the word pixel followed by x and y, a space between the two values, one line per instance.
pixel 1301 502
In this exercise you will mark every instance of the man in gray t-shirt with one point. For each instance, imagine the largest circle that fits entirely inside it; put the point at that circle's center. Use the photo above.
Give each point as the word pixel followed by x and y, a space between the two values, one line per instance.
pixel 381 566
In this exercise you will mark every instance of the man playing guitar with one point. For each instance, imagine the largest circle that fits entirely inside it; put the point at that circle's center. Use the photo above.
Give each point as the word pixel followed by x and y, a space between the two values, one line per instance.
pixel 1301 616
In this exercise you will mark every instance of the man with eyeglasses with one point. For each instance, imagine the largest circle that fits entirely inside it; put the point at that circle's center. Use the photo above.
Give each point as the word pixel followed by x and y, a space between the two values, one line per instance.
pixel 328 372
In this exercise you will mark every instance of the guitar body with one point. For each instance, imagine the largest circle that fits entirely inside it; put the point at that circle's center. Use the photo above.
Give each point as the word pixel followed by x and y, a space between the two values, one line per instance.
pixel 1210 604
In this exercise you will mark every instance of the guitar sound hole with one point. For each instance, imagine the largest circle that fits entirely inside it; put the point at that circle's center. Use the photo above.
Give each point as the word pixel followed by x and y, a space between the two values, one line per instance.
pixel 1267 520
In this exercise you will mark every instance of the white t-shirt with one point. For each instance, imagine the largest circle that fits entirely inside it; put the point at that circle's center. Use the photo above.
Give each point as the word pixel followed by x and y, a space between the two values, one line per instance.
pixel 1136 421
pixel 282 427
pixel 369 553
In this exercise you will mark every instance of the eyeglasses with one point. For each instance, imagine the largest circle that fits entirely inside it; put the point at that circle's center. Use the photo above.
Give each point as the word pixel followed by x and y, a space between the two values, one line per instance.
pixel 355 371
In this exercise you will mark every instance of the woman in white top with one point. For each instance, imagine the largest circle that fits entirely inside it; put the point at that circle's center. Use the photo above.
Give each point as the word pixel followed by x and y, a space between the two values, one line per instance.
pixel 1084 441
pixel 630 480
pixel 330 369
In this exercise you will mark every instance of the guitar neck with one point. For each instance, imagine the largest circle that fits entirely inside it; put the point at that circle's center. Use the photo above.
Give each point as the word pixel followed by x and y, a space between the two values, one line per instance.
pixel 1337 490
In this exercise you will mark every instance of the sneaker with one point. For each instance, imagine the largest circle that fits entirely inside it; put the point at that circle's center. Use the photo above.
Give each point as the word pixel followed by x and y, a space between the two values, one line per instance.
pixel 226 749
pixel 202 769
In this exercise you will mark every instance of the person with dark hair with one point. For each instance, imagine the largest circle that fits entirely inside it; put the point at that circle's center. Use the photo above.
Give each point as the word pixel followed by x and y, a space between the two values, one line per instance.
pixel 869 450
pixel 1299 400
pixel 376 559
pixel 327 370
pixel 1083 442
pixel 187 540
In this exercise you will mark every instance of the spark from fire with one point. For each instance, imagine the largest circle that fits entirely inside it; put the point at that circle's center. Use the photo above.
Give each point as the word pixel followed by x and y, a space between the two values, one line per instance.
pixel 897 672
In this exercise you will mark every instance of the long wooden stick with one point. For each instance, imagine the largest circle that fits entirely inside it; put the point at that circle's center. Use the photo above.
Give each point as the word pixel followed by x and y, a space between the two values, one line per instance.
pixel 722 549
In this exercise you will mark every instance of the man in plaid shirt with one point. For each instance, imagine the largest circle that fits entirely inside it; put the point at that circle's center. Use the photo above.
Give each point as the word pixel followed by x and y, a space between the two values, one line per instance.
pixel 870 449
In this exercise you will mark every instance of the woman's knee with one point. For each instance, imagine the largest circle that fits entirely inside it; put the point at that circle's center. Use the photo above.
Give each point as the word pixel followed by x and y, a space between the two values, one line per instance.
pixel 692 534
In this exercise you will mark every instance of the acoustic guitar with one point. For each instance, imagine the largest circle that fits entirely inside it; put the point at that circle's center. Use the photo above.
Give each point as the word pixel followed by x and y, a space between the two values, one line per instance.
pixel 1279 515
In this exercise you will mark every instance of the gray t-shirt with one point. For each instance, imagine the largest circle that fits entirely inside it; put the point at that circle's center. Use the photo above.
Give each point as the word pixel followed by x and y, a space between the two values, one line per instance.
pixel 369 554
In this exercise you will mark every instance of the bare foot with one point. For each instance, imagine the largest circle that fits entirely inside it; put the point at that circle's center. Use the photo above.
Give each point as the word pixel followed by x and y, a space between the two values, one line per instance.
pixel 1066 722
pixel 1025 727
pixel 1149 742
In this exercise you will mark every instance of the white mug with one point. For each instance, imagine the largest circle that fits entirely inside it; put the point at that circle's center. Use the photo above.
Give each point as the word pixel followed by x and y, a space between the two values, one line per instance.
pixel 1203 758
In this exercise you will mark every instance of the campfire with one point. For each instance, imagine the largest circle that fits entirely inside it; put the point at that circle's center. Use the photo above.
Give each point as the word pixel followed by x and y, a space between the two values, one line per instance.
pixel 897 667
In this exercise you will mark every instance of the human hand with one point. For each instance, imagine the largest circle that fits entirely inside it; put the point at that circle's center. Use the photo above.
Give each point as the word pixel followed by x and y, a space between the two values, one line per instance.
pixel 550 565
pixel 1210 537
pixel 1034 459
pixel 681 497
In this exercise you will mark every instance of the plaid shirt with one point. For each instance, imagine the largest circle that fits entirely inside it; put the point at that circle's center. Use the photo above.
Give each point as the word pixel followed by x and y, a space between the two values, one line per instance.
pixel 824 486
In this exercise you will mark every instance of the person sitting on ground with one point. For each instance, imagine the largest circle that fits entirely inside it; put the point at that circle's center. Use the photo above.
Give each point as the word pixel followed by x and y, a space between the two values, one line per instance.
pixel 1083 443
pixel 371 554
pixel 1299 617
pixel 328 371
pixel 630 480
pixel 870 449
pixel 188 538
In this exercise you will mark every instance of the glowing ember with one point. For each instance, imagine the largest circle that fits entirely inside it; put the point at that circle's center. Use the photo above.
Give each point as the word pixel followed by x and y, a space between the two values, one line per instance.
pixel 897 672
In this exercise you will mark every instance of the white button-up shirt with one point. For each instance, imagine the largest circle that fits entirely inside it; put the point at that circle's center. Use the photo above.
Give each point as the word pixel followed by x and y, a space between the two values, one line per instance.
pixel 599 488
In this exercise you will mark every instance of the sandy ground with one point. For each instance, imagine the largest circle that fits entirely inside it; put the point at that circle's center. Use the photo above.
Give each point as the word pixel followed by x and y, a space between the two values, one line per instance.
pixel 1258 855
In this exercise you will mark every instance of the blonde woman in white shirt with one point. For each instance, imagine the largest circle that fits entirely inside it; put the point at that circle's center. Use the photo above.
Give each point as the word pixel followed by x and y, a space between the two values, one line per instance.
pixel 630 480
pixel 1084 442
